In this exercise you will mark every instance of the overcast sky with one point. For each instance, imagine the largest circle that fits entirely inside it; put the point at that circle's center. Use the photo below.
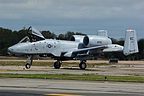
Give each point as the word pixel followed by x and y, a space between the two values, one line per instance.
pixel 85 16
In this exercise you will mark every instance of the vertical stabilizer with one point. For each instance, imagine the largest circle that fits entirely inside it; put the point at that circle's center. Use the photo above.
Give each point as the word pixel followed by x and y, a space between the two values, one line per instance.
pixel 102 33
pixel 130 44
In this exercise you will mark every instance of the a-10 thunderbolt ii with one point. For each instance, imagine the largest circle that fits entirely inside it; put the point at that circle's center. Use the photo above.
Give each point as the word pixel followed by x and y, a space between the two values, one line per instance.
pixel 78 48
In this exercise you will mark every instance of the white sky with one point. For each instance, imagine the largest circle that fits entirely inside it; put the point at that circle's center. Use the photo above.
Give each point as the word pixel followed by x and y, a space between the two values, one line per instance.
pixel 85 16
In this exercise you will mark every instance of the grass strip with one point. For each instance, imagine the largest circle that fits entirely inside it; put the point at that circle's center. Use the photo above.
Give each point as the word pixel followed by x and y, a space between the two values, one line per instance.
pixel 22 63
pixel 86 77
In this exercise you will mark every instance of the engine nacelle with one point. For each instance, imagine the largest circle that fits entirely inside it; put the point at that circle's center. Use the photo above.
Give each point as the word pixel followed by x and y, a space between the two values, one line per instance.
pixel 77 38
pixel 93 40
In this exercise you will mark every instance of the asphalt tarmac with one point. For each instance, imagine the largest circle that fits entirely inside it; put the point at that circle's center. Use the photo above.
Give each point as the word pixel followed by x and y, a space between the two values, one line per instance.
pixel 46 87
pixel 117 69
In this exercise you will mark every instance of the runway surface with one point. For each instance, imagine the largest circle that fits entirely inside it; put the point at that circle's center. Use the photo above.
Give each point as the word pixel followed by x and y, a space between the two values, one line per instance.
pixel 46 87
pixel 41 87
pixel 114 69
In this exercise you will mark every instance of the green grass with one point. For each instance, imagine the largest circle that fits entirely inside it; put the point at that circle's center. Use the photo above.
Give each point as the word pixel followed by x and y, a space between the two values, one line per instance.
pixel 86 77
pixel 22 63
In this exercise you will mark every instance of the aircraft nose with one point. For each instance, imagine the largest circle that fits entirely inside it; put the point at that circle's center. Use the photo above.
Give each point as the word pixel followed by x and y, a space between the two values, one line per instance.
pixel 10 50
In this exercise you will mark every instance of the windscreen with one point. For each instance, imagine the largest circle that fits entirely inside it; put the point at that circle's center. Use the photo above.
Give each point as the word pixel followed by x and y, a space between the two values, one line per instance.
pixel 25 39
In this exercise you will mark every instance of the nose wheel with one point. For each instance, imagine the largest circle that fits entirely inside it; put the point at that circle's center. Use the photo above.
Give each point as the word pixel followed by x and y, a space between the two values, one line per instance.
pixel 27 66
pixel 57 64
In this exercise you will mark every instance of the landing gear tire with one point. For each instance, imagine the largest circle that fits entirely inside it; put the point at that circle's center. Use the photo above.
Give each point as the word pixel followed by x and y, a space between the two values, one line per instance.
pixel 82 65
pixel 57 65
pixel 27 66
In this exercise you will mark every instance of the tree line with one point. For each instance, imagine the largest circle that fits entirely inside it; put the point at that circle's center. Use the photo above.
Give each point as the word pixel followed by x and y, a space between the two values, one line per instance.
pixel 9 38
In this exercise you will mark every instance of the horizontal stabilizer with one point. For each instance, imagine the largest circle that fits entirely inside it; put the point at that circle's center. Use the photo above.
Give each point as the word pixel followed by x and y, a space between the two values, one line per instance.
pixel 130 44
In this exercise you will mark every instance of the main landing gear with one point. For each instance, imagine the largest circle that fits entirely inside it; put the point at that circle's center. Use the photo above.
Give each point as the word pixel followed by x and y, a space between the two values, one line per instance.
pixel 57 64
pixel 82 64
pixel 29 61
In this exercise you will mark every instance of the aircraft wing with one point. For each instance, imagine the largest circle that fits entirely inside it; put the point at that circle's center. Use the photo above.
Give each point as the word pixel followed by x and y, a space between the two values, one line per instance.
pixel 76 51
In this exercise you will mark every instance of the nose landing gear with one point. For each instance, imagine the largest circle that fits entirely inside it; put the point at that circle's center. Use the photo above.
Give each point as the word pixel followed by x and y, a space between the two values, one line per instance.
pixel 29 61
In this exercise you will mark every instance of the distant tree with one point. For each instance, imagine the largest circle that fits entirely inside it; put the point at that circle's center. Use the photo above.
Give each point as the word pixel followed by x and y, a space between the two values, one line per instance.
pixel 114 41
pixel 20 34
pixel 61 37
pixel 68 35
pixel 141 48
pixel 48 34
pixel 79 33
pixel 121 41
pixel 5 39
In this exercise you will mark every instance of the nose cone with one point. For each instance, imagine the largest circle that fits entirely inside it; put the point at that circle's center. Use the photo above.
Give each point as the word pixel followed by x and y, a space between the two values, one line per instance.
pixel 10 50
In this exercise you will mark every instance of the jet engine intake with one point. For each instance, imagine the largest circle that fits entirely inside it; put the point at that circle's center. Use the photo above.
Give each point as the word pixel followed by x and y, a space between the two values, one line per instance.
pixel 77 38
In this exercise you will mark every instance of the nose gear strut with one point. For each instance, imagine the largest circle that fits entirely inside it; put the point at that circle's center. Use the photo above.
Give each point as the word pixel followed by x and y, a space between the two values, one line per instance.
pixel 29 61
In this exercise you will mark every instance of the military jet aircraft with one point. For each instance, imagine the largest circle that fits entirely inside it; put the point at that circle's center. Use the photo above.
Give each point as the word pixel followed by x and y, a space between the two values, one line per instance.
pixel 78 48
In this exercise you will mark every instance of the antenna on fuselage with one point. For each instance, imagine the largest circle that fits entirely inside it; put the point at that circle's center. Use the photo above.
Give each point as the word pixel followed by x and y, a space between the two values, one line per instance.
pixel 102 33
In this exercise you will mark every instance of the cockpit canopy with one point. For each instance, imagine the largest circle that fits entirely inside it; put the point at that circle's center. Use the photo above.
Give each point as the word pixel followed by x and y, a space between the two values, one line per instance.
pixel 35 34
pixel 25 39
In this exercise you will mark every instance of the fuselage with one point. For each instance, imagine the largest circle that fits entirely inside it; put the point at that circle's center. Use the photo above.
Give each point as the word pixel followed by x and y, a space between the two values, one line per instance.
pixel 59 48
pixel 53 47
pixel 47 46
